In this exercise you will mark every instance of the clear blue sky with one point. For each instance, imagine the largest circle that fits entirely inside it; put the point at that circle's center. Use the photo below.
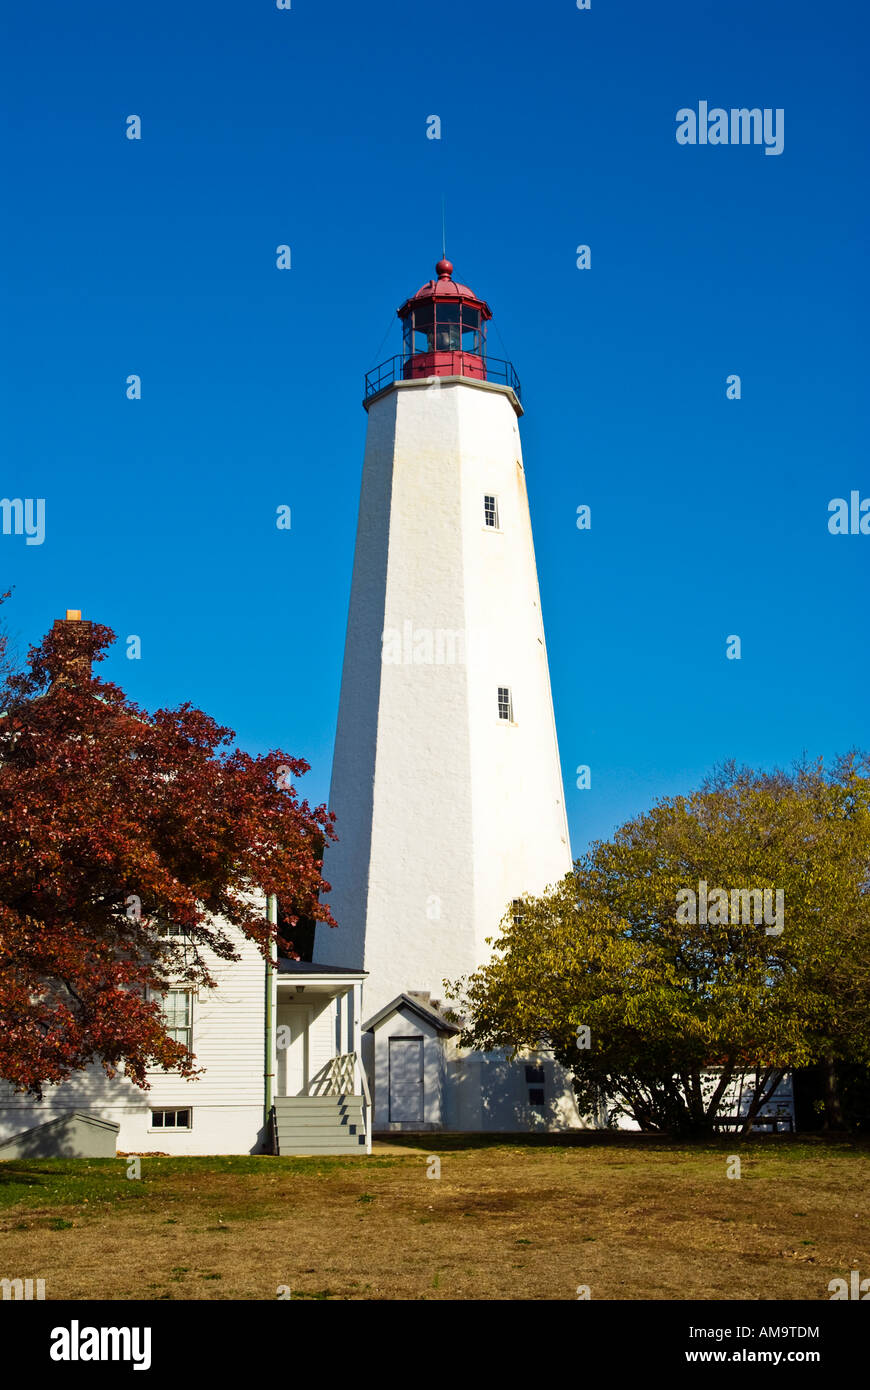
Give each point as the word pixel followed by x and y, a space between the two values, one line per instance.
pixel 308 127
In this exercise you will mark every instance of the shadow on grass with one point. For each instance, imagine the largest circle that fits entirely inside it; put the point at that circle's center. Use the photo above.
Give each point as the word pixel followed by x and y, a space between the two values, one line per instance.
pixel 23 1174
pixel 630 1140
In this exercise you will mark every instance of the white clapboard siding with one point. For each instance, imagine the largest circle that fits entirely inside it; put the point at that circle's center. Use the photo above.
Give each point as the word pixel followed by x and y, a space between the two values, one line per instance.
pixel 226 1100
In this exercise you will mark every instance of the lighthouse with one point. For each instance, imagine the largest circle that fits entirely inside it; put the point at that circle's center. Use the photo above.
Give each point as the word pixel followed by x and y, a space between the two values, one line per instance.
pixel 446 781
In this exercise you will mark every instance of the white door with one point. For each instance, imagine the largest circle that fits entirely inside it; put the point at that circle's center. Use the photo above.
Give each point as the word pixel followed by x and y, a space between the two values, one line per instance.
pixel 291 1040
pixel 406 1079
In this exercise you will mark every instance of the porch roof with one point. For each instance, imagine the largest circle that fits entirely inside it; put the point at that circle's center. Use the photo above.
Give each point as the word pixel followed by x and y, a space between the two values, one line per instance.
pixel 309 972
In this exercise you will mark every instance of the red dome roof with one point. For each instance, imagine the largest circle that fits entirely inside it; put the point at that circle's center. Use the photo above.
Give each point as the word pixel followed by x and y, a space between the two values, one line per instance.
pixel 444 288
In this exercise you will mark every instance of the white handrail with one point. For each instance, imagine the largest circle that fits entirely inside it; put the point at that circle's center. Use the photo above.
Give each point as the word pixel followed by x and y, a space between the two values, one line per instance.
pixel 341 1079
pixel 363 1078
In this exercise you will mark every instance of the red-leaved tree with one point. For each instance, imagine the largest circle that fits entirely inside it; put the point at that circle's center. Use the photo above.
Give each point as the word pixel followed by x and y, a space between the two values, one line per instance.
pixel 115 824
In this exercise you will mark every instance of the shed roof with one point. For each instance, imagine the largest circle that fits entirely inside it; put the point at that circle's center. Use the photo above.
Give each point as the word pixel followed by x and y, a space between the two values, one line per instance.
pixel 417 1006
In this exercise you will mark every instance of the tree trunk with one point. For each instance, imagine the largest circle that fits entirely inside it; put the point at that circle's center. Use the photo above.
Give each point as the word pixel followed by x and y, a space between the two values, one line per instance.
pixel 765 1086
pixel 722 1086
pixel 833 1109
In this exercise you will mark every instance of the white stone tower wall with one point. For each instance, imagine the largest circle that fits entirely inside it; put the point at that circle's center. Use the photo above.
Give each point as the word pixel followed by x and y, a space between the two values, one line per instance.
pixel 351 795
pixel 444 812
pixel 521 841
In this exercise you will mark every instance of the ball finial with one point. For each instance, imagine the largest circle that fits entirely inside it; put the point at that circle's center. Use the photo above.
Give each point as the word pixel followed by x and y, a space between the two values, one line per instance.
pixel 445 269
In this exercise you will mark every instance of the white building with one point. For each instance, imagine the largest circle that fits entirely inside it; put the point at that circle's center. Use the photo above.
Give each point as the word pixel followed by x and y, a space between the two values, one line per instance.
pixel 279 1049
pixel 446 781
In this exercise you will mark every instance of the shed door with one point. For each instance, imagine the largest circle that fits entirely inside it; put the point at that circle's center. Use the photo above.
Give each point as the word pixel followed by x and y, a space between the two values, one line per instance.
pixel 406 1079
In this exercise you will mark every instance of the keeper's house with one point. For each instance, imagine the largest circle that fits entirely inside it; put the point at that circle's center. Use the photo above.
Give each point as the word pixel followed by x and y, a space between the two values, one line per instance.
pixel 279 1048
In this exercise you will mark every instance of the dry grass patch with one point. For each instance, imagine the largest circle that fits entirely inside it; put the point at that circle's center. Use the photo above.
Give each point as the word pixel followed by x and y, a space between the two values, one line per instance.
pixel 523 1218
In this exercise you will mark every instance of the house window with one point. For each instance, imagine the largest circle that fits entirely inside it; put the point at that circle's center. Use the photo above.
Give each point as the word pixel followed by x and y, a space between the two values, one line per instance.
pixel 177 940
pixel 536 1095
pixel 505 703
pixel 172 929
pixel 170 1119
pixel 490 511
pixel 535 1076
pixel 518 914
pixel 176 1008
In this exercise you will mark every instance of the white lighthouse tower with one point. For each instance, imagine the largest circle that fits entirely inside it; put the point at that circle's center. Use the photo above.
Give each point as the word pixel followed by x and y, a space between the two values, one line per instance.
pixel 446 781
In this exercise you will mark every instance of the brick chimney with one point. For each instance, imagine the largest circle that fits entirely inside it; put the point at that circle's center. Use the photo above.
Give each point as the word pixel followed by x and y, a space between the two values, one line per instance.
pixel 72 662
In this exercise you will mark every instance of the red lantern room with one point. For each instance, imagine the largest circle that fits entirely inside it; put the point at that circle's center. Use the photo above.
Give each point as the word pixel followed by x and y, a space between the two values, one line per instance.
pixel 444 329
pixel 443 334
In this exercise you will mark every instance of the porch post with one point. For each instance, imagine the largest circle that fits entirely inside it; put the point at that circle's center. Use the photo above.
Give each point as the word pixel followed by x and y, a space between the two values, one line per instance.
pixel 356 1023
pixel 356 1034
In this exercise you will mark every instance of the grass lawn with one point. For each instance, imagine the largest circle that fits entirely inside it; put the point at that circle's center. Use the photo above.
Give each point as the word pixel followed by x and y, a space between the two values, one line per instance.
pixel 520 1217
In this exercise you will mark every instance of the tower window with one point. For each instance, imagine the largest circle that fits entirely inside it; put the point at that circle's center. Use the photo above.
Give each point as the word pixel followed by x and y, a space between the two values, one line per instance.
pixel 535 1083
pixel 490 511
pixel 505 703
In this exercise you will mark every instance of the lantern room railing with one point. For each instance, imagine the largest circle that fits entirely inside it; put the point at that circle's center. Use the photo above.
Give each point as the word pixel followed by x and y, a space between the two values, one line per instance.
pixel 496 370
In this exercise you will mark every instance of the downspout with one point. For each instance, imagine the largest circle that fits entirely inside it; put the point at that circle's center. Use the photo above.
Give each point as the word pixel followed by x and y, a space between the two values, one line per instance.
pixel 268 1052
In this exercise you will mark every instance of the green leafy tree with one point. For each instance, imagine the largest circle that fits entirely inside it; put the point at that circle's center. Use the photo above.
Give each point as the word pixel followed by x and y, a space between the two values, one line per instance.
pixel 678 1009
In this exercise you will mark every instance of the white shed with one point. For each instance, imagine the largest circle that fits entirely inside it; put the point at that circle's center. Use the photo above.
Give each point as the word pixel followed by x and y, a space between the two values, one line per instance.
pixel 403 1054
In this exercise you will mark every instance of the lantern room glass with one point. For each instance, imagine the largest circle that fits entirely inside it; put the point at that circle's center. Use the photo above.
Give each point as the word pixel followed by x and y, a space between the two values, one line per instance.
pixel 439 327
pixel 424 328
pixel 447 328
pixel 472 340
